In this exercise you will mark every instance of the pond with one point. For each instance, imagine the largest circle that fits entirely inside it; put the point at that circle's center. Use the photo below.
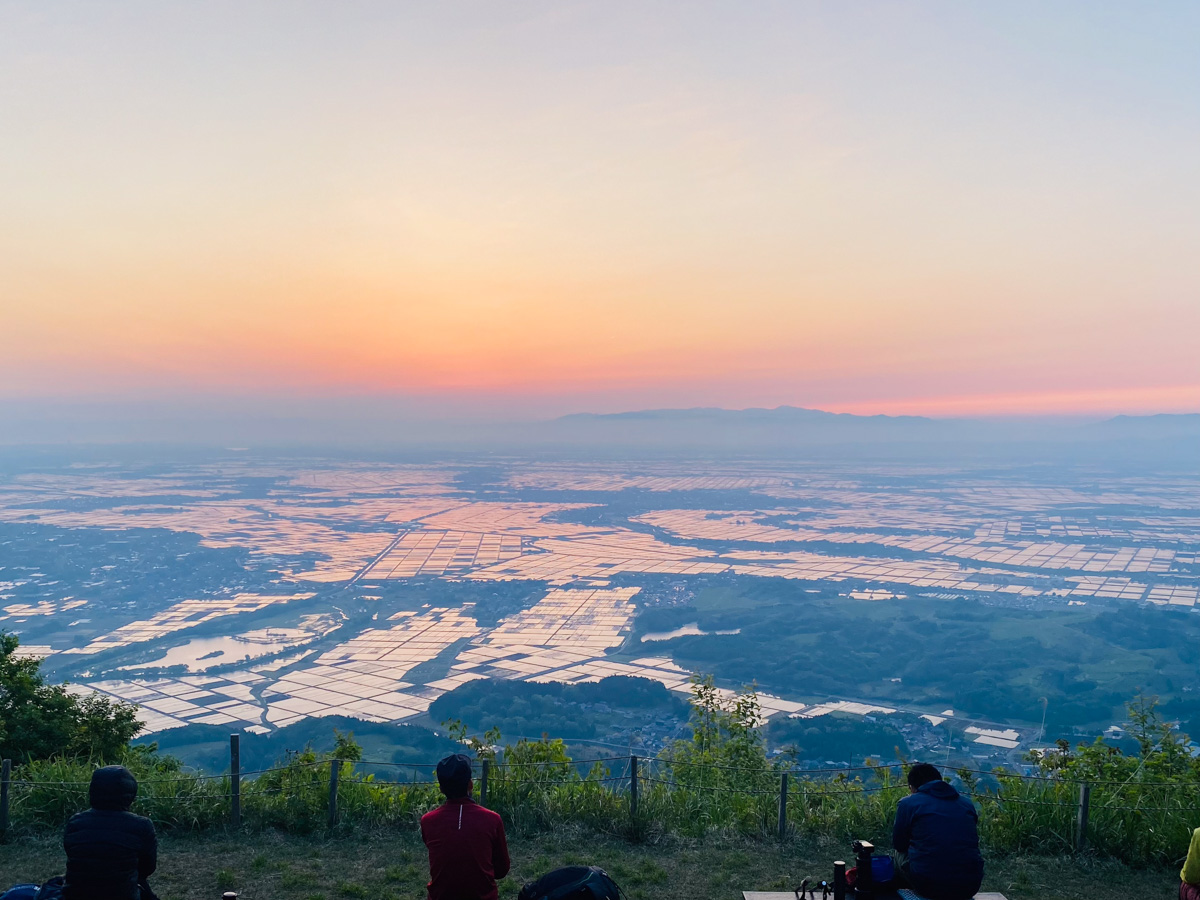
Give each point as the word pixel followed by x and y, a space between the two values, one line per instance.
pixel 683 631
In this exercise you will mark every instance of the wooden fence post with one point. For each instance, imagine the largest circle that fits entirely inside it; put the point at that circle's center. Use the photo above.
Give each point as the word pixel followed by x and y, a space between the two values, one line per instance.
pixel 783 788
pixel 335 769
pixel 633 788
pixel 235 780
pixel 1081 824
pixel 483 782
pixel 5 784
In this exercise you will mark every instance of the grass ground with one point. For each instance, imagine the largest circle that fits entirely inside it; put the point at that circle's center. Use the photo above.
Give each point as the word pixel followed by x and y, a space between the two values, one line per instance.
pixel 391 863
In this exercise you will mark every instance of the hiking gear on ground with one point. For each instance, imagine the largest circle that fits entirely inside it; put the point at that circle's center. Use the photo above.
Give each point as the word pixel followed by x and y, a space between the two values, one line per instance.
pixel 572 883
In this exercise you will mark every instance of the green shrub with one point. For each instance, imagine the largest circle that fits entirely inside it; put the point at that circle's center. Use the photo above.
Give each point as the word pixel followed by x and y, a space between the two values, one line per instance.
pixel 1142 807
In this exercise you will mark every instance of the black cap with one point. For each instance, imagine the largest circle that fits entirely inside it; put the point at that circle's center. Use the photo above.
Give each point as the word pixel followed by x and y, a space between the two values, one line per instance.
pixel 922 773
pixel 454 775
pixel 112 787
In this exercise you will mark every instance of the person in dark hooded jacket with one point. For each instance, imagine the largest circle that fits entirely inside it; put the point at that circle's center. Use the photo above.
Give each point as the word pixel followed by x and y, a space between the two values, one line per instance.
pixel 937 831
pixel 110 851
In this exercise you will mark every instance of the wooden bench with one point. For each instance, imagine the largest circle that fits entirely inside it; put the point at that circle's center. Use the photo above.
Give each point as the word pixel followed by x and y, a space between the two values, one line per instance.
pixel 888 895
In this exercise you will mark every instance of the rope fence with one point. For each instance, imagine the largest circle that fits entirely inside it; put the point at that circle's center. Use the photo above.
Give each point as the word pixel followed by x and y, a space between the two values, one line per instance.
pixel 623 760
pixel 683 793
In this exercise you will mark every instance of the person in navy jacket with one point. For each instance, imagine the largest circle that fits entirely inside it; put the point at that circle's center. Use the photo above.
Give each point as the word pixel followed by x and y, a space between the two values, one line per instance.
pixel 467 847
pixel 110 851
pixel 937 834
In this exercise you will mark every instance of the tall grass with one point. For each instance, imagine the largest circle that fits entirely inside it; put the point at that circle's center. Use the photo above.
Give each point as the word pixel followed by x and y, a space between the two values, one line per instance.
pixel 1142 810
pixel 1136 822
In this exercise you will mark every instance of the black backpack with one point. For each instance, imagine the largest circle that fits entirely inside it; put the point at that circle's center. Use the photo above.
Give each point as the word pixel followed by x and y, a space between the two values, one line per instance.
pixel 572 883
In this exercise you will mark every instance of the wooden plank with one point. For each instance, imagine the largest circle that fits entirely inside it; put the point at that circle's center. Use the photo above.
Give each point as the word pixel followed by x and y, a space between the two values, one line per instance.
pixel 791 895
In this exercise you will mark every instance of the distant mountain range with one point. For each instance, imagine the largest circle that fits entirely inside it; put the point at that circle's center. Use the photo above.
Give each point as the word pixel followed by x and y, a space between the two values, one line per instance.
pixel 789 414
pixel 384 424
pixel 712 425
pixel 796 427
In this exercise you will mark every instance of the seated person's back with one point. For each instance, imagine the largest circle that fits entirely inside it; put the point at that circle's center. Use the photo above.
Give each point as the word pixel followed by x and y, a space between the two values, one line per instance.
pixel 468 850
pixel 1189 875
pixel 110 851
pixel 937 829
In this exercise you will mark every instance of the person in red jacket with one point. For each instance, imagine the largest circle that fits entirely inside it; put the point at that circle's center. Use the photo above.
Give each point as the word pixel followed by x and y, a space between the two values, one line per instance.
pixel 467 847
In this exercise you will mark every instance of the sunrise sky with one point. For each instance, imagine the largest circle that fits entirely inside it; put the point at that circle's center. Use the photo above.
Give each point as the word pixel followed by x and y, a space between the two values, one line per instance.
pixel 538 208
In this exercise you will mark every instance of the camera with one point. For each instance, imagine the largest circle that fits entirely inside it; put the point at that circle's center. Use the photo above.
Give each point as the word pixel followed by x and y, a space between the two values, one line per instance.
pixel 864 885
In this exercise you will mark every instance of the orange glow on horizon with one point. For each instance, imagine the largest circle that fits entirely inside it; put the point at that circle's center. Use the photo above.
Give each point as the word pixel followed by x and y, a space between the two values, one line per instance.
pixel 590 208
pixel 1113 401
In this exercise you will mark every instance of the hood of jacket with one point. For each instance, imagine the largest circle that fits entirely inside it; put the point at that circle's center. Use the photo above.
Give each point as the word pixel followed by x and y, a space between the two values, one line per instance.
pixel 112 788
pixel 942 790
